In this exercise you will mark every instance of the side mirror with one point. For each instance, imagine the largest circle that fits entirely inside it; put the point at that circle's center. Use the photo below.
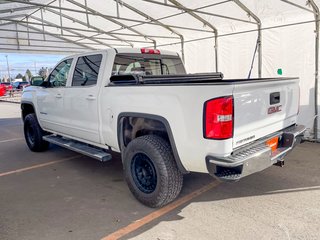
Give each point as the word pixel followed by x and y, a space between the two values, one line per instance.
pixel 36 81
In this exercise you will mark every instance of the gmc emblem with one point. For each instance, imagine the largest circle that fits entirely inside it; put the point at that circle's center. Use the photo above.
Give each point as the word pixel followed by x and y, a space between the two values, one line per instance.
pixel 274 109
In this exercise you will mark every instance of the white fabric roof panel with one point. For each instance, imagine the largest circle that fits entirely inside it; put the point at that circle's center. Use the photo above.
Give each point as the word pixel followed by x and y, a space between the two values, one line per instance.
pixel 287 36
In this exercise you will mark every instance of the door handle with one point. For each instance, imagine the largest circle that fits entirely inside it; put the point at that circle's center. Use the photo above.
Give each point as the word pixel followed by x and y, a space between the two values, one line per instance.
pixel 58 95
pixel 90 97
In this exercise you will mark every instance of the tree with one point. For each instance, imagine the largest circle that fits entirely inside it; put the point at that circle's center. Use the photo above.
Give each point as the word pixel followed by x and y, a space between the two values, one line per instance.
pixel 19 76
pixel 43 72
pixel 28 74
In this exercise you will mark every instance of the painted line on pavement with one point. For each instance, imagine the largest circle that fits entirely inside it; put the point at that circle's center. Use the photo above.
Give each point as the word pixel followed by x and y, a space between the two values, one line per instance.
pixel 160 212
pixel 38 166
pixel 11 140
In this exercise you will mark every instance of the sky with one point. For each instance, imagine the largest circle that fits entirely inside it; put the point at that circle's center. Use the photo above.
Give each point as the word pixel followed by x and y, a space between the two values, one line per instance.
pixel 19 63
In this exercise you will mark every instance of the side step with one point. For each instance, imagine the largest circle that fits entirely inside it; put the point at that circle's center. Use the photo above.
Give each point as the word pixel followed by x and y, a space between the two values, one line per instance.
pixel 79 147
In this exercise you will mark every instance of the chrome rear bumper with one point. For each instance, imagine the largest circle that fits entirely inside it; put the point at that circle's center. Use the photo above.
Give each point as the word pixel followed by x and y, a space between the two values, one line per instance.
pixel 255 157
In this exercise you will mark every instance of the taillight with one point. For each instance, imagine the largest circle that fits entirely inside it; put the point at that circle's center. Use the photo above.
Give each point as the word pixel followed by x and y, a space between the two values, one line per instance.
pixel 218 118
pixel 150 51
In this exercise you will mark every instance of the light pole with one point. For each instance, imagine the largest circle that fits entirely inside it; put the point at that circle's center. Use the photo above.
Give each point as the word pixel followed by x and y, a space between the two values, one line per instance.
pixel 8 69
pixel 35 68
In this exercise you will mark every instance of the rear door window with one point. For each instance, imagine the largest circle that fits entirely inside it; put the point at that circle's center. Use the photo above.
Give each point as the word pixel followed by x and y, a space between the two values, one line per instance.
pixel 87 70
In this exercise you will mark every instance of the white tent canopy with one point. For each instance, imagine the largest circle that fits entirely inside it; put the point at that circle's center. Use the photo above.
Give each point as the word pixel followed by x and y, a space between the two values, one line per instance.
pixel 211 35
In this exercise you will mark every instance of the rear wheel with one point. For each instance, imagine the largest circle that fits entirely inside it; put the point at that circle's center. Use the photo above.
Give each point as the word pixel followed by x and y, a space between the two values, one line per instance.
pixel 151 171
pixel 33 134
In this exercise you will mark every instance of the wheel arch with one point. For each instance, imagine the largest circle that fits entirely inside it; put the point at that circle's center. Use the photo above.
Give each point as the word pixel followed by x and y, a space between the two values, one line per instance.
pixel 27 108
pixel 121 128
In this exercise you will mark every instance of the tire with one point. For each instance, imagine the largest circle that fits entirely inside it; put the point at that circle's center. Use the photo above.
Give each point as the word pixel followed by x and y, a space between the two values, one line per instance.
pixel 151 171
pixel 33 134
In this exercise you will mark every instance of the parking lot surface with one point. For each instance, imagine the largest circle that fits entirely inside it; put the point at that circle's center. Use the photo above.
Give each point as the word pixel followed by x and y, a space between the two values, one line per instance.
pixel 60 194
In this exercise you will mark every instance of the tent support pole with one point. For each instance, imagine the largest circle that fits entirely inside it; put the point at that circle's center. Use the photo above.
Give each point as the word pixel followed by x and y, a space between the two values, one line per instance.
pixel 258 21
pixel 87 15
pixel 182 48
pixel 41 11
pixel 216 50
pixel 17 36
pixel 259 51
pixel 316 83
pixel 28 34
pixel 60 16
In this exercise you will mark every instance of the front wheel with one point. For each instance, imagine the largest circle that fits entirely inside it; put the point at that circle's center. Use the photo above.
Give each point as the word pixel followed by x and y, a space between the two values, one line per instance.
pixel 151 171
pixel 33 134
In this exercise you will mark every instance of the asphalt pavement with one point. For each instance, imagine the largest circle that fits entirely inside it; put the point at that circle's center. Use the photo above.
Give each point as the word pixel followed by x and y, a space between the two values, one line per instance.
pixel 59 194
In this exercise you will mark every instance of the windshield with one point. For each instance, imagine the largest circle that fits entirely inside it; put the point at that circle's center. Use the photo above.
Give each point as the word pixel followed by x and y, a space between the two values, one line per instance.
pixel 147 64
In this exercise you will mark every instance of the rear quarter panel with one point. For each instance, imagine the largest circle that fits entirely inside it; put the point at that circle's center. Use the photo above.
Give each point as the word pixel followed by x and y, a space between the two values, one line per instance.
pixel 181 106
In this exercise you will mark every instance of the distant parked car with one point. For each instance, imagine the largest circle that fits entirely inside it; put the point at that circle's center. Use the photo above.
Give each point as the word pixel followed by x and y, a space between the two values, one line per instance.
pixel 20 85
pixel 7 86
pixel 2 90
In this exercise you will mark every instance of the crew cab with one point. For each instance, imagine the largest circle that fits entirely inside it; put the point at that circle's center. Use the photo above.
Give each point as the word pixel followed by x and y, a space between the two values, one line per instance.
pixel 163 121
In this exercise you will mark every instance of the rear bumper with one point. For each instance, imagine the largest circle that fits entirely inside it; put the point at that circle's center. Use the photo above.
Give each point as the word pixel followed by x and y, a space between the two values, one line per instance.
pixel 255 157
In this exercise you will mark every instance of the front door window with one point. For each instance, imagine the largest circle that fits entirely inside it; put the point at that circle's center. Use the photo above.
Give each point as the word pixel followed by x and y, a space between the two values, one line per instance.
pixel 59 76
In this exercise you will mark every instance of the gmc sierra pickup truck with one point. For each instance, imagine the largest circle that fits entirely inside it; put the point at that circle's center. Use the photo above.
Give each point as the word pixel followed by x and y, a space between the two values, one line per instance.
pixel 165 123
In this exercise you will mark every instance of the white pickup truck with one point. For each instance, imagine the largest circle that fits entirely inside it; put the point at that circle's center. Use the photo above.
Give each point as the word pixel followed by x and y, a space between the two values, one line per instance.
pixel 165 123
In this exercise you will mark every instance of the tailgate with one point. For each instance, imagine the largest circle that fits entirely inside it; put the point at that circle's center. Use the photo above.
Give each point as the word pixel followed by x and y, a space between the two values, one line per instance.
pixel 263 107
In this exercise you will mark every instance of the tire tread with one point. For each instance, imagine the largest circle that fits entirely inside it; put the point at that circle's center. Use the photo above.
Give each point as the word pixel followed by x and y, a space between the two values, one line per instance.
pixel 171 179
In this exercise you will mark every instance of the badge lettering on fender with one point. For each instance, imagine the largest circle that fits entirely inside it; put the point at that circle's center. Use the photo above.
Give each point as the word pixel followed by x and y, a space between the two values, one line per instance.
pixel 274 109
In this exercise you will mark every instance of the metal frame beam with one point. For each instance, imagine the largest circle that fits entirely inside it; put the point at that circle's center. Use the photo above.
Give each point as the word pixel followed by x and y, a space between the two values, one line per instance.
pixel 87 9
pixel 198 11
pixel 47 25
pixel 159 23
pixel 140 23
pixel 107 17
pixel 259 40
pixel 38 50
pixel 56 36
pixel 48 40
pixel 36 45
pixel 18 9
pixel 71 31
pixel 206 23
pixel 15 16
pixel 297 5
pixel 68 35
pixel 38 9
pixel 99 30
